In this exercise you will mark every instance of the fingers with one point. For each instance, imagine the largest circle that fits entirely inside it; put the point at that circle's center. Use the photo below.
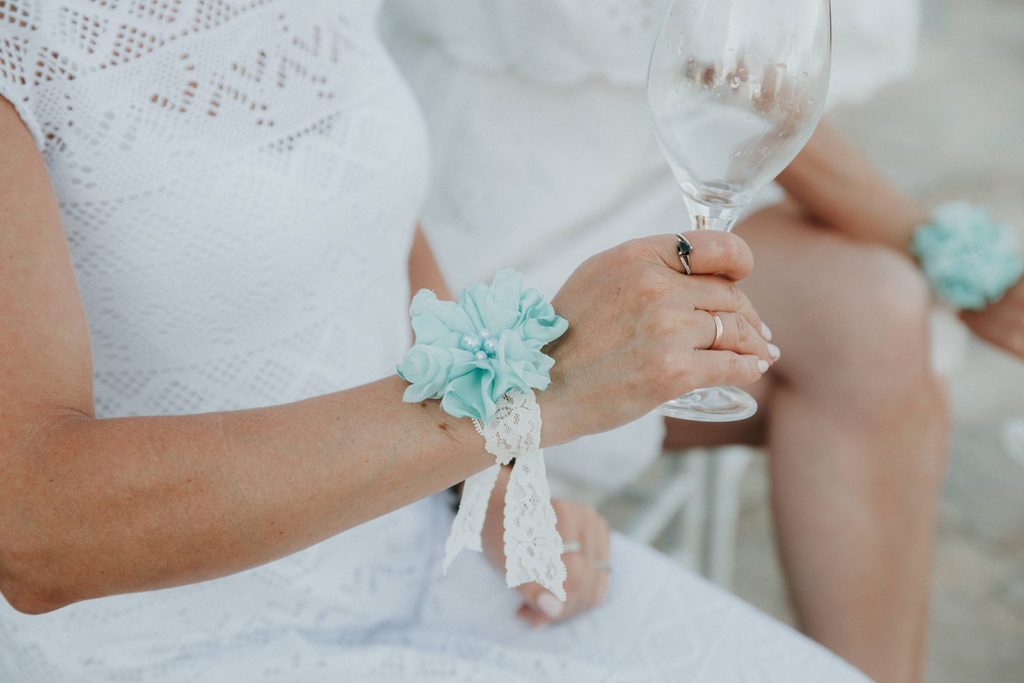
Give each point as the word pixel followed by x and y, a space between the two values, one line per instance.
pixel 713 252
pixel 736 334
pixel 711 293
pixel 540 606
pixel 588 538
pixel 726 367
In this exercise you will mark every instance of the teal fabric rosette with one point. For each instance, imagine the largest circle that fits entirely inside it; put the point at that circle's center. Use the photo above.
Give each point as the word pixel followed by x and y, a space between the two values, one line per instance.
pixel 469 354
pixel 968 259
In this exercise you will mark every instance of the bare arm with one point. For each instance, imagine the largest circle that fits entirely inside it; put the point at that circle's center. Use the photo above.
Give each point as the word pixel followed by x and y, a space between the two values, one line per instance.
pixel 99 506
pixel 91 507
pixel 836 184
pixel 424 273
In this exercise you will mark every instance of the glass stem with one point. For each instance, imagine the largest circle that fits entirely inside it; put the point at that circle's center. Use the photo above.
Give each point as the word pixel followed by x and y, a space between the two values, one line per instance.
pixel 711 216
pixel 719 222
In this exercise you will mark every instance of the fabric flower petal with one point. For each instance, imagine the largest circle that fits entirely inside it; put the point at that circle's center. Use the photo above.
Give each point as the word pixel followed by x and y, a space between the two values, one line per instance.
pixel 470 395
pixel 427 369
pixel 968 259
pixel 469 354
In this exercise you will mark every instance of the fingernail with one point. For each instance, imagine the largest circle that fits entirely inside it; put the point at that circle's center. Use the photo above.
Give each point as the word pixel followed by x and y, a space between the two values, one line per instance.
pixel 762 365
pixel 774 351
pixel 549 605
pixel 766 332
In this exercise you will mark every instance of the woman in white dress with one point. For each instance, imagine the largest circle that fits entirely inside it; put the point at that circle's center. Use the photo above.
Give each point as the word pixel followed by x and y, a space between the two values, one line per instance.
pixel 207 243
pixel 543 149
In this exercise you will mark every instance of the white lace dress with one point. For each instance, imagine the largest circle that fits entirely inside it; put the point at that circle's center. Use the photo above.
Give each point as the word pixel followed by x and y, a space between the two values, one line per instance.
pixel 239 183
pixel 544 149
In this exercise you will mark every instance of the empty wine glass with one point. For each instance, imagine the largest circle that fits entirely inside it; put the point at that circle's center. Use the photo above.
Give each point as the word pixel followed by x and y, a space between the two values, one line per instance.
pixel 735 88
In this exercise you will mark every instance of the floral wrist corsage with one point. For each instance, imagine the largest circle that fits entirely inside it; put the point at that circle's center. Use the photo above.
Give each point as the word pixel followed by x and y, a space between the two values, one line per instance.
pixel 482 357
pixel 469 354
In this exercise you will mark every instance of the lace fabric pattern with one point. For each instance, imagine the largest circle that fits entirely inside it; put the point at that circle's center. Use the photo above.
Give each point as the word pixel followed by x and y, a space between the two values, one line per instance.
pixel 213 161
pixel 532 545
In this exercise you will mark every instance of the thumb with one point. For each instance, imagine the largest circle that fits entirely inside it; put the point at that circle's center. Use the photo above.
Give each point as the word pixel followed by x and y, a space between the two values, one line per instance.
pixel 541 601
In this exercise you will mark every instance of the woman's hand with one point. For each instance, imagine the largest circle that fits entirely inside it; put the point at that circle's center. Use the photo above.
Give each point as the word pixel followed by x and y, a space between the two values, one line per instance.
pixel 640 332
pixel 1001 323
pixel 580 526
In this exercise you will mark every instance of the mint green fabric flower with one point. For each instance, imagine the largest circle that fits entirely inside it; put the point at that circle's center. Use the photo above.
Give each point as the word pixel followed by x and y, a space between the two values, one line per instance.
pixel 471 353
pixel 968 259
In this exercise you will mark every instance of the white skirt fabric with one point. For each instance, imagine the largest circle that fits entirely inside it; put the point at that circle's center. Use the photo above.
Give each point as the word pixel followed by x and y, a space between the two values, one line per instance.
pixel 371 605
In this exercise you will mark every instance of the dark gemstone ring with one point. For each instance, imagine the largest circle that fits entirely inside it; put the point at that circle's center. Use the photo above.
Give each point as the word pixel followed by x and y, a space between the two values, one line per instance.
pixel 684 248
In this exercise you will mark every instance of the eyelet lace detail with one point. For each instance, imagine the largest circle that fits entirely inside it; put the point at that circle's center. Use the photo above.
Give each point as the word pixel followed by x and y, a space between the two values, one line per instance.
pixel 533 548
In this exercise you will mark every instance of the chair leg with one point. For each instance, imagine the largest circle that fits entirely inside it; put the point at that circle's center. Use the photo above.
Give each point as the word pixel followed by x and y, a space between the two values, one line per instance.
pixel 688 547
pixel 672 495
pixel 725 470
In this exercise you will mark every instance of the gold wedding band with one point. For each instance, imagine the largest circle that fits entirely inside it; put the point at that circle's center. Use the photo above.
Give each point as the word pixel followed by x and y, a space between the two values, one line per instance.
pixel 718 330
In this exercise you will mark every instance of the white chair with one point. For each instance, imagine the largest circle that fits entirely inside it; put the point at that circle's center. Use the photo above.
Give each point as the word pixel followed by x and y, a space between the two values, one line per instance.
pixel 688 505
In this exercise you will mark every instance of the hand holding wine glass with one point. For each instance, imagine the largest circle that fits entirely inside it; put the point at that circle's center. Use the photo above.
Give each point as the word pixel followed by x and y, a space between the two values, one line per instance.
pixel 735 89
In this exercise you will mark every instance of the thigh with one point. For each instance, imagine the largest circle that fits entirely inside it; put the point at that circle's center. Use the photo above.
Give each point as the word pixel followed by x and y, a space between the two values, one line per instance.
pixel 822 294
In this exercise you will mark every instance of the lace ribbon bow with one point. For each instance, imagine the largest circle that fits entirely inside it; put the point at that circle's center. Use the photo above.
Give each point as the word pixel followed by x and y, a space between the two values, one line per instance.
pixel 533 548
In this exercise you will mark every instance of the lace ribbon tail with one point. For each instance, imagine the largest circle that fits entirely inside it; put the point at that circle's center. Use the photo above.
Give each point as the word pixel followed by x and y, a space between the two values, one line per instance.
pixel 469 520
pixel 533 548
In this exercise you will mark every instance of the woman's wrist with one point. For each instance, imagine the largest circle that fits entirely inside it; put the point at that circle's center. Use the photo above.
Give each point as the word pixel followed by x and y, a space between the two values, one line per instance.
pixel 482 357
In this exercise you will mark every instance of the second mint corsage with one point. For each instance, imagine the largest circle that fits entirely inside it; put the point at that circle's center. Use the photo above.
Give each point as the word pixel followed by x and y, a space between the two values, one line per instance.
pixel 968 259
pixel 469 354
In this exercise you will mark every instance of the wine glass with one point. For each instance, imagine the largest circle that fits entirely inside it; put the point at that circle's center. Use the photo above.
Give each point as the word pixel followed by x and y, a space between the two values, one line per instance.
pixel 735 88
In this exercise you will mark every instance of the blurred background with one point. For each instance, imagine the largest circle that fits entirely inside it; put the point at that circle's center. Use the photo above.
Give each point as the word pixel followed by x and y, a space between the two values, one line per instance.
pixel 954 130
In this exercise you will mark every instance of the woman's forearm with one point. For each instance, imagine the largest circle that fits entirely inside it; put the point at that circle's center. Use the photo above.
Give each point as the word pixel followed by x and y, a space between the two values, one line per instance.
pixel 837 185
pixel 116 505
pixel 90 507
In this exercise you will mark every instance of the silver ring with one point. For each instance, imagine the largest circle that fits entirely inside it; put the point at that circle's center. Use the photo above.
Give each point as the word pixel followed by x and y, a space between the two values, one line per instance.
pixel 602 565
pixel 572 547
pixel 718 330
pixel 684 249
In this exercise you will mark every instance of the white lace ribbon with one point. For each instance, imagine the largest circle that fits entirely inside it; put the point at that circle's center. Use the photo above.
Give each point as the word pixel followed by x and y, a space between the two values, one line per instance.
pixel 533 548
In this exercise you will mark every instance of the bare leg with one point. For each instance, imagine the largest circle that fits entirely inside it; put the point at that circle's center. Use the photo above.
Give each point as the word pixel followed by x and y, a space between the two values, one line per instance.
pixel 856 427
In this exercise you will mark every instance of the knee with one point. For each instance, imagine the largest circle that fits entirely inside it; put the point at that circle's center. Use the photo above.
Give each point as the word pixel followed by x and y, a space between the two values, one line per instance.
pixel 888 370
pixel 884 349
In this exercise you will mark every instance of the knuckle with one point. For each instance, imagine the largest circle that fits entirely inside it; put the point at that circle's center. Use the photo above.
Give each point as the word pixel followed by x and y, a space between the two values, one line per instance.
pixel 666 366
pixel 661 322
pixel 737 299
pixel 647 283
pixel 738 366
pixel 746 308
pixel 632 250
pixel 729 249
pixel 745 336
pixel 660 376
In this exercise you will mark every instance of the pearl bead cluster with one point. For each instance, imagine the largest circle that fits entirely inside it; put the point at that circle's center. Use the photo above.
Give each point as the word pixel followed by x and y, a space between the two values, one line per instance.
pixel 482 345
